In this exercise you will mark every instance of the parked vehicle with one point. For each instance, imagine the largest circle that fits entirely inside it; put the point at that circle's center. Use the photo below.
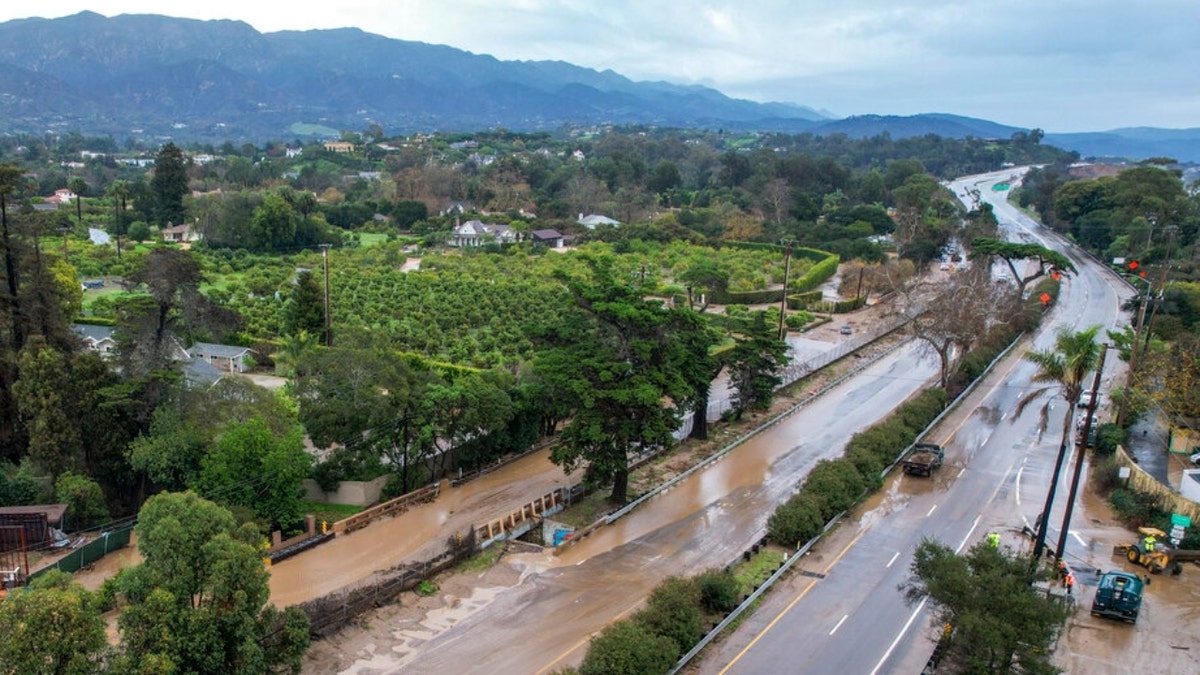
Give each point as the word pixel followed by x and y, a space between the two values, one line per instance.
pixel 1195 458
pixel 847 330
pixel 924 459
pixel 1119 596
pixel 1079 425
pixel 1085 399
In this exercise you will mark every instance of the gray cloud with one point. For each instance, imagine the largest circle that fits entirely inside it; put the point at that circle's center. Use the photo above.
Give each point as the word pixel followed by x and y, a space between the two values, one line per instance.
pixel 1063 65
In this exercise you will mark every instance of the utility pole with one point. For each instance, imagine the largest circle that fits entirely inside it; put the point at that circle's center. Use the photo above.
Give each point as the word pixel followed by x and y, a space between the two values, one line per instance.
pixel 787 269
pixel 1162 287
pixel 1082 445
pixel 328 316
pixel 1134 351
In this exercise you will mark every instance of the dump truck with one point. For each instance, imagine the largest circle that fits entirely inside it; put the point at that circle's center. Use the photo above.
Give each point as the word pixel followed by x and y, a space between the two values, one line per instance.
pixel 1156 557
pixel 1119 596
pixel 923 459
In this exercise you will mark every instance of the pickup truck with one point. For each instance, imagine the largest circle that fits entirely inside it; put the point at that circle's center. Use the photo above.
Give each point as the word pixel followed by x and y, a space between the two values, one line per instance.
pixel 923 459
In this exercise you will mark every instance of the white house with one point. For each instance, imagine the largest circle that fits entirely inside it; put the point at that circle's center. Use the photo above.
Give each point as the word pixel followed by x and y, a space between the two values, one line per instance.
pixel 477 233
pixel 98 339
pixel 179 234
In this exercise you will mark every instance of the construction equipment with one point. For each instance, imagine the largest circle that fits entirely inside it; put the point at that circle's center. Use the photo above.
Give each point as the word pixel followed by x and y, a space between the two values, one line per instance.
pixel 1155 556
pixel 1119 596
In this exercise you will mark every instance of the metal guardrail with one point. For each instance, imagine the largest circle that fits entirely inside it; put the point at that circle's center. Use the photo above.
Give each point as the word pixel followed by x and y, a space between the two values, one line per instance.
pixel 754 432
pixel 716 631
pixel 758 592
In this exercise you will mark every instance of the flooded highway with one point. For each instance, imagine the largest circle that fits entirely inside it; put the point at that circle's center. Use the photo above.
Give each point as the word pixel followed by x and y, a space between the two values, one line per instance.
pixel 543 621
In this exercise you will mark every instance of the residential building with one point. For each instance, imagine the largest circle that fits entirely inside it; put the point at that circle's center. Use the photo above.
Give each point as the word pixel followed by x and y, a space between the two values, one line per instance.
pixel 179 234
pixel 227 358
pixel 551 238
pixel 98 339
pixel 477 233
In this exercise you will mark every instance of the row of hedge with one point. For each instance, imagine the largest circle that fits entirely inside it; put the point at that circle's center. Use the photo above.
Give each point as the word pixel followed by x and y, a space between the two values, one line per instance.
pixel 677 615
pixel 841 306
pixel 826 266
pixel 834 485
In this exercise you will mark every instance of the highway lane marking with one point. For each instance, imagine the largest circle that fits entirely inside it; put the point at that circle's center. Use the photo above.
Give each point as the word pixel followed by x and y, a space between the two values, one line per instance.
pixel 931 510
pixel 1078 538
pixel 1018 484
pixel 894 556
pixel 908 624
pixel 839 624
pixel 785 609
pixel 966 538
pixel 1003 378
pixel 961 472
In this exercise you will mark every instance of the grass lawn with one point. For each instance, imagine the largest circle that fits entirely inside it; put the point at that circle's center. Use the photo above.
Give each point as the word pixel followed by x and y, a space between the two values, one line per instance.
pixel 371 238
pixel 330 513
pixel 751 573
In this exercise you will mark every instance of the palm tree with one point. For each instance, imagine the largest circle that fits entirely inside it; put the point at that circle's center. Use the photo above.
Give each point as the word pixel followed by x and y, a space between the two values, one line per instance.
pixel 120 192
pixel 1065 367
pixel 80 187
pixel 292 349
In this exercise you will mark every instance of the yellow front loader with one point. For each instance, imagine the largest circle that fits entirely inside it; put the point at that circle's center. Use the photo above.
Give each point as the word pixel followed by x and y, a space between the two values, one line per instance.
pixel 1157 556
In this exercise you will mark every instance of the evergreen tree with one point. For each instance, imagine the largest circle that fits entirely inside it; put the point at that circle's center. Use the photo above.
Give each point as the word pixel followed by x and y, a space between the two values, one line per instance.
pixel 169 185
pixel 305 309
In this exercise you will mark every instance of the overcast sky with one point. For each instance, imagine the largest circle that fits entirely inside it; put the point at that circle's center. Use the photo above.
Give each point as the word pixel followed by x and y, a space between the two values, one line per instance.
pixel 1062 65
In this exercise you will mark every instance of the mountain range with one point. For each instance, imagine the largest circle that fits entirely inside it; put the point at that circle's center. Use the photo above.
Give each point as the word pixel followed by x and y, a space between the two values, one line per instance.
pixel 158 77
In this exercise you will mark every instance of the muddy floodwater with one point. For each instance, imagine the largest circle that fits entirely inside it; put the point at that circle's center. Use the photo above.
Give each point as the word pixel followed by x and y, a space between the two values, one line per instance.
pixel 416 535
pixel 556 603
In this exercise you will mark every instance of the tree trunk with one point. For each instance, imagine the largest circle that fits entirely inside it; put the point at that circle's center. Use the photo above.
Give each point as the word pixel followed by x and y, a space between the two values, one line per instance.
pixel 620 491
pixel 700 417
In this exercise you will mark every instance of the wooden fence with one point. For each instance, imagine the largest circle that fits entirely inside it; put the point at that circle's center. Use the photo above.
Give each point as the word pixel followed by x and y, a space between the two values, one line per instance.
pixel 329 613
pixel 389 508
pixel 535 509
pixel 1143 482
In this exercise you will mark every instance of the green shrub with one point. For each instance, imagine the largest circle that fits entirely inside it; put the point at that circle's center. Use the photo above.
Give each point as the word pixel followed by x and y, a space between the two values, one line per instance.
pixel 1105 475
pixel 868 465
pixel 795 521
pixel 835 484
pixel 1136 508
pixel 673 611
pixel 881 441
pixel 917 413
pixel 1108 437
pixel 105 598
pixel 624 648
pixel 85 502
pixel 719 591
pixel 427 587
pixel 804 300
